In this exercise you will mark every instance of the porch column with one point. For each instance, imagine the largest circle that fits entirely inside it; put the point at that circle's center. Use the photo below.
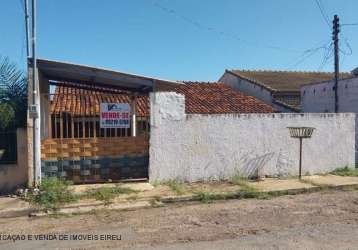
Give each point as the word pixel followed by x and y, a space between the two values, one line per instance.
pixel 133 111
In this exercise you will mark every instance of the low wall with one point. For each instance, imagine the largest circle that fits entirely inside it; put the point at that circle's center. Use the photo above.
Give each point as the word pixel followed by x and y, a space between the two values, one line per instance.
pixel 210 147
pixel 91 160
pixel 15 175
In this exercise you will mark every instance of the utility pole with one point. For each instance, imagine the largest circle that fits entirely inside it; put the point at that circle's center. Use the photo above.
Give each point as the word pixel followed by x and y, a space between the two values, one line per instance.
pixel 336 60
pixel 35 108
pixel 27 28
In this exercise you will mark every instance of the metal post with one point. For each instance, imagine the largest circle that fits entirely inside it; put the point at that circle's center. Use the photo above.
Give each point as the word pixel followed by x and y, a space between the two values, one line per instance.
pixel 300 133
pixel 300 166
pixel 134 120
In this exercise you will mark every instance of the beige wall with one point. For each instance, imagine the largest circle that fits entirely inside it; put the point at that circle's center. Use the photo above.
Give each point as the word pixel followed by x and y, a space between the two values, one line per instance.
pixel 14 175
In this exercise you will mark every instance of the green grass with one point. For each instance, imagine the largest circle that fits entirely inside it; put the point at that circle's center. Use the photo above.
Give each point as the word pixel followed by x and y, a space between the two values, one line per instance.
pixel 246 192
pixel 208 197
pixel 52 194
pixel 345 171
pixel 107 194
pixel 155 184
pixel 239 180
pixel 177 187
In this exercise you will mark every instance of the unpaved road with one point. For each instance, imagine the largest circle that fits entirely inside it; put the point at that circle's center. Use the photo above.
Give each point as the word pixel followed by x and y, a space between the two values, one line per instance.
pixel 325 220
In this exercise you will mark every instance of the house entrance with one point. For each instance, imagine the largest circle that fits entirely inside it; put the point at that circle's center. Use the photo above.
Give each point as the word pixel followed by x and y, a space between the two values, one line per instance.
pixel 78 146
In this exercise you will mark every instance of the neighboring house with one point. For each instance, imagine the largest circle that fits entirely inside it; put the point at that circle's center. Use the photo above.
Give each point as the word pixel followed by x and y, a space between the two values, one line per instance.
pixel 280 89
pixel 320 97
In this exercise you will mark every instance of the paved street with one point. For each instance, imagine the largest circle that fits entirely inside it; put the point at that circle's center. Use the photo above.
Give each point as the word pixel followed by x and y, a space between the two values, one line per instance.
pixel 324 220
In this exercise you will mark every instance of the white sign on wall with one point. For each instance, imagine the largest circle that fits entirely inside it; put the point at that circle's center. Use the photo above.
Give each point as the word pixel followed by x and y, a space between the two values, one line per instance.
pixel 115 115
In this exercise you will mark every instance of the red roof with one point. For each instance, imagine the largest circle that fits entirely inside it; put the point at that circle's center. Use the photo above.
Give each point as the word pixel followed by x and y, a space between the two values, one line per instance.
pixel 200 98
pixel 218 98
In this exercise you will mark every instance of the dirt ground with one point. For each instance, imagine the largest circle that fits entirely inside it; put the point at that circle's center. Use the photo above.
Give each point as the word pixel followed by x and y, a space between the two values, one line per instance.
pixel 306 221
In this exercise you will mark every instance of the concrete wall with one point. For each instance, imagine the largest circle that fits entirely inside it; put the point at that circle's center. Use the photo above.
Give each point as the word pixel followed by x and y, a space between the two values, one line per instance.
pixel 14 175
pixel 320 98
pixel 252 89
pixel 204 147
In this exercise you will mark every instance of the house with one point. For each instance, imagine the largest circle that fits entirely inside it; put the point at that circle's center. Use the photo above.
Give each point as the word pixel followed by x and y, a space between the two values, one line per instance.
pixel 75 110
pixel 75 145
pixel 319 97
pixel 280 89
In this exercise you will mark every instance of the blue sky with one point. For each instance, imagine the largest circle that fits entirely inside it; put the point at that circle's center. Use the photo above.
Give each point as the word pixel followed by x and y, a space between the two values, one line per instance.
pixel 183 39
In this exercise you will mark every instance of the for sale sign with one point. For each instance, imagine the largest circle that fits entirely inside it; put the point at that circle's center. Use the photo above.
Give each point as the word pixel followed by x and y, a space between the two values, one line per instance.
pixel 115 115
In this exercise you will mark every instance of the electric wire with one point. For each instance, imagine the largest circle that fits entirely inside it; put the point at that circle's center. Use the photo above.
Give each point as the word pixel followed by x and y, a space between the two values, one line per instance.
pixel 323 13
pixel 201 26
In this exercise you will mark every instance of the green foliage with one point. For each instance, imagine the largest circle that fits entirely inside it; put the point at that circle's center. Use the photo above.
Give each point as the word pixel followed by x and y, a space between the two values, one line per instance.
pixel 239 180
pixel 155 184
pixel 246 192
pixel 53 193
pixel 107 194
pixel 177 187
pixel 13 92
pixel 205 197
pixel 346 171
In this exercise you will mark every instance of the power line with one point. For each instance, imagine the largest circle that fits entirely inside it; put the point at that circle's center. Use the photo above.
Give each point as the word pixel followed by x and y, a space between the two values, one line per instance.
pixel 307 54
pixel 201 26
pixel 349 24
pixel 323 12
pixel 348 46
pixel 328 54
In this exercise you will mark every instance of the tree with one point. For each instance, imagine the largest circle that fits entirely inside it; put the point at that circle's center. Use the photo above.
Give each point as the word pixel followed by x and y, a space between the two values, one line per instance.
pixel 13 95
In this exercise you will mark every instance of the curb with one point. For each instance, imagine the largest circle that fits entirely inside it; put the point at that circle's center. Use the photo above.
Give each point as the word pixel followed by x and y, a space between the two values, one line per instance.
pixel 82 209
pixel 86 209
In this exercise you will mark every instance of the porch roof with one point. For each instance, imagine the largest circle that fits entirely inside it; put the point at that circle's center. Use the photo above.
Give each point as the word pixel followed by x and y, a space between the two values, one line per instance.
pixel 69 72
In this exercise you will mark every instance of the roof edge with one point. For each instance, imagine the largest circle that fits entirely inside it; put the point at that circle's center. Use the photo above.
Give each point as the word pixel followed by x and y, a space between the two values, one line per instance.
pixel 39 60
pixel 285 105
pixel 251 80
pixel 340 79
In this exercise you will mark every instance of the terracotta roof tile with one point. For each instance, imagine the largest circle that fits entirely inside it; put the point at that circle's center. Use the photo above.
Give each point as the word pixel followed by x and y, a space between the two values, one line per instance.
pixel 200 98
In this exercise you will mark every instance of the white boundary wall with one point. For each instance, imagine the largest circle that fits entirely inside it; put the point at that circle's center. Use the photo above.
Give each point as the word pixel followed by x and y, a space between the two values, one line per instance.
pixel 319 97
pixel 211 147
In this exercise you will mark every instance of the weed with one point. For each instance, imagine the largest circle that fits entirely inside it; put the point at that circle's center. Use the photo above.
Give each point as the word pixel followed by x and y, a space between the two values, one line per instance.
pixel 244 184
pixel 205 197
pixel 53 193
pixel 249 192
pixel 239 180
pixel 177 187
pixel 346 171
pixel 107 194
pixel 155 183
pixel 246 192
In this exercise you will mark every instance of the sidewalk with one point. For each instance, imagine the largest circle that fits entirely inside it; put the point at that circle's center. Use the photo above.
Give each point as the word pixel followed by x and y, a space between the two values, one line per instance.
pixel 148 195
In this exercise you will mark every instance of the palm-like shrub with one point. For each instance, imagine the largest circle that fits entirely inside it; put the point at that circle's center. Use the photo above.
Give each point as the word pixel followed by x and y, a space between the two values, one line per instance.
pixel 13 95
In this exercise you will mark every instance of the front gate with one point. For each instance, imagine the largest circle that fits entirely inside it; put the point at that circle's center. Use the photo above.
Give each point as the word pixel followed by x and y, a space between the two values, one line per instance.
pixel 76 148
